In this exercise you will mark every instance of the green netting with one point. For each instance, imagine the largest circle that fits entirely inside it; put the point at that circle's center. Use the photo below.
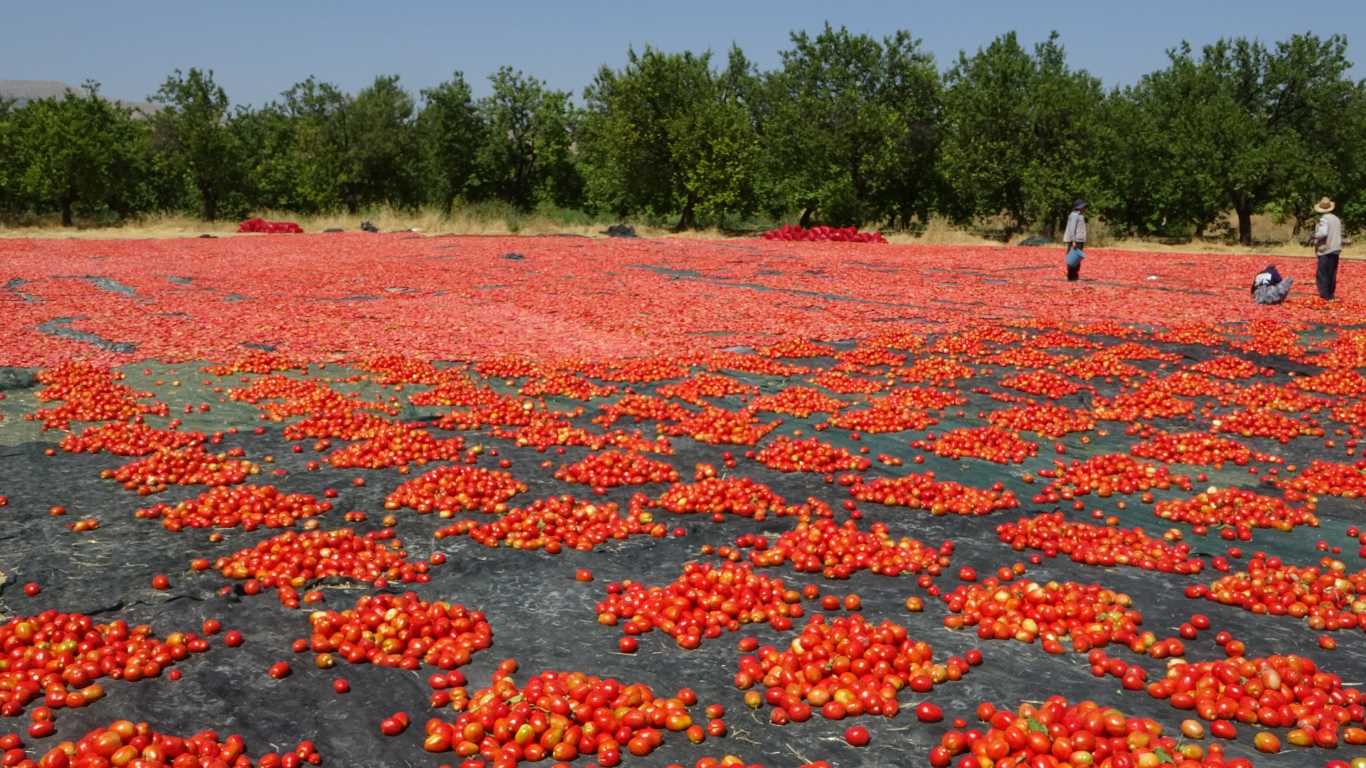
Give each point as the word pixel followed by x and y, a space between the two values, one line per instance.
pixel 545 619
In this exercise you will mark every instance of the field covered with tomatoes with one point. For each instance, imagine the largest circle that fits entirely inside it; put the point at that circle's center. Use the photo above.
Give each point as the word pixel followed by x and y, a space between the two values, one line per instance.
pixel 360 500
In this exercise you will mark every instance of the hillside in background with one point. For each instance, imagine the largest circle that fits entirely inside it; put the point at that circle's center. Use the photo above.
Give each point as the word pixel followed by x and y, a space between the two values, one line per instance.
pixel 23 91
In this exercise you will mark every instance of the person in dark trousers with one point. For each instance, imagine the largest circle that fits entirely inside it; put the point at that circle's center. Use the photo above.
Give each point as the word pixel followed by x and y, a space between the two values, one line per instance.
pixel 1328 247
pixel 1268 287
pixel 1075 238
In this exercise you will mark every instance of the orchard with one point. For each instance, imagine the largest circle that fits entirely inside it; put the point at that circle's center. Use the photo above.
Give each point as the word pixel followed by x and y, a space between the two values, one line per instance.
pixel 805 499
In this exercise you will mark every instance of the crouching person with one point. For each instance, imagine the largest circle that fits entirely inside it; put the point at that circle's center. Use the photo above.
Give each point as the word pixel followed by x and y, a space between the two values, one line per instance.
pixel 1268 287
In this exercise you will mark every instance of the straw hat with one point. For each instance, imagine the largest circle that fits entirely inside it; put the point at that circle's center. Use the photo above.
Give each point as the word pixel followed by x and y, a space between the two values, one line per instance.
pixel 1325 206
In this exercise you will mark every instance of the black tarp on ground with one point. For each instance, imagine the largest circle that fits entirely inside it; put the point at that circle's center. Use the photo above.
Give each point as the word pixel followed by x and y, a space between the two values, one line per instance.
pixel 546 620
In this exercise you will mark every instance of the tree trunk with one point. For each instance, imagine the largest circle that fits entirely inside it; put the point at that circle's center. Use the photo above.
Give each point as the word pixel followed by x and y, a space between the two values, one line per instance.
pixel 211 207
pixel 1015 222
pixel 67 219
pixel 1244 224
pixel 805 221
pixel 688 219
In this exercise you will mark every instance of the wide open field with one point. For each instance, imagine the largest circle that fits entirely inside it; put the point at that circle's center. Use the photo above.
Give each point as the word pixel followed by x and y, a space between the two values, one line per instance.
pixel 462 298
pixel 901 474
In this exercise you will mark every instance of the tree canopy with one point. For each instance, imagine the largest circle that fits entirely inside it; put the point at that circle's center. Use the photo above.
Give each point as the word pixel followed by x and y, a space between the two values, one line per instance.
pixel 846 129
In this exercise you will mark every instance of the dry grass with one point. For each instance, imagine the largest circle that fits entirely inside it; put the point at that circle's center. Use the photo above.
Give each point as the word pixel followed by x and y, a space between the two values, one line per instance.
pixel 148 227
pixel 1269 236
pixel 939 231
pixel 462 222
pixel 1272 237
pixel 1269 249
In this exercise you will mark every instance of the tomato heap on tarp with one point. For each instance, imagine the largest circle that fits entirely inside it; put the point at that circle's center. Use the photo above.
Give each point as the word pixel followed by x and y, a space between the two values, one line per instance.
pixel 264 227
pixel 822 234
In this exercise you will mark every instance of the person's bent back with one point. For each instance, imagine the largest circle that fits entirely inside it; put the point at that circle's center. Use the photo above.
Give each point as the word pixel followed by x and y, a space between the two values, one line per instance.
pixel 1268 287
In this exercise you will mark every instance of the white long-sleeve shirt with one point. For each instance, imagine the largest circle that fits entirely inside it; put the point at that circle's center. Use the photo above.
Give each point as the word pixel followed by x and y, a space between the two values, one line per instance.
pixel 1076 228
pixel 1328 234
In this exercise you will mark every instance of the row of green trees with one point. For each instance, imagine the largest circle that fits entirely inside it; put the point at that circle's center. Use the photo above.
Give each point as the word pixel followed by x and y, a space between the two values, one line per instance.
pixel 849 129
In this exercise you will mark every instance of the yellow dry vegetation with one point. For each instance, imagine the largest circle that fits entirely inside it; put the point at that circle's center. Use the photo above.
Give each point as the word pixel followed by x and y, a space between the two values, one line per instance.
pixel 1273 237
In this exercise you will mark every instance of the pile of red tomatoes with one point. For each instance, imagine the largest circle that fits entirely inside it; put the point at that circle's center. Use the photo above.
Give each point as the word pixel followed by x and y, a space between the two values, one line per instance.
pixel 1057 734
pixel 794 233
pixel 264 227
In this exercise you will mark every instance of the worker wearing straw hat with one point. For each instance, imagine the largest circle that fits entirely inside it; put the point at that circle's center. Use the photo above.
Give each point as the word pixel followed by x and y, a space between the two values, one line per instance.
pixel 1327 243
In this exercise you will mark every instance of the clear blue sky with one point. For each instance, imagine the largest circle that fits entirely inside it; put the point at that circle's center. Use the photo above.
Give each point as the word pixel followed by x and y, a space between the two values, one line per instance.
pixel 258 49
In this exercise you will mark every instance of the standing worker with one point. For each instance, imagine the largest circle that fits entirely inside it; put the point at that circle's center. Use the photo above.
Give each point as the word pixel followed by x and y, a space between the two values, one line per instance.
pixel 1075 238
pixel 1327 242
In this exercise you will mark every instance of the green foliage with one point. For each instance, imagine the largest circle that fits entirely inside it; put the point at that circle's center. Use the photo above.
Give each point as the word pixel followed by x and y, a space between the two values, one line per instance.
pixel 192 129
pixel 450 131
pixel 11 196
pixel 274 169
pixel 526 156
pixel 320 149
pixel 77 153
pixel 850 127
pixel 384 146
pixel 668 135
pixel 1242 127
pixel 1023 134
pixel 1314 98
